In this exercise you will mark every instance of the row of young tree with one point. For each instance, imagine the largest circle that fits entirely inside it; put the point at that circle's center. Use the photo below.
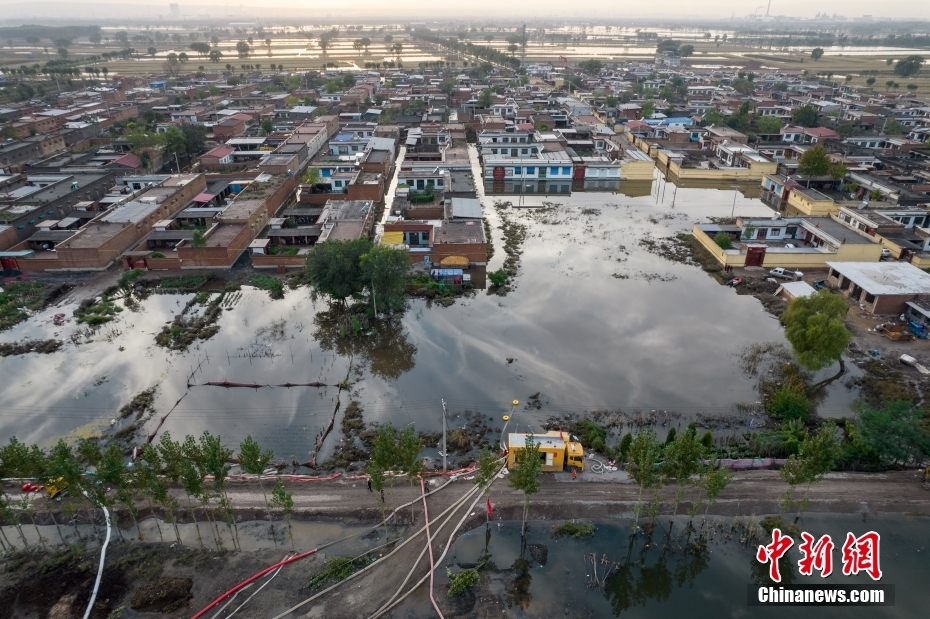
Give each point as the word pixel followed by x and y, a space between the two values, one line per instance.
pixel 684 463
pixel 102 476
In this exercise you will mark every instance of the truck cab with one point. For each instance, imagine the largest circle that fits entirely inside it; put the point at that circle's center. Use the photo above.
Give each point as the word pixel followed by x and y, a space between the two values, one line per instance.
pixel 574 455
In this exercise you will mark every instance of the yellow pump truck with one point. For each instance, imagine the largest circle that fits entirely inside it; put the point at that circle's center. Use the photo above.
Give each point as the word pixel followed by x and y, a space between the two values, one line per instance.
pixel 556 450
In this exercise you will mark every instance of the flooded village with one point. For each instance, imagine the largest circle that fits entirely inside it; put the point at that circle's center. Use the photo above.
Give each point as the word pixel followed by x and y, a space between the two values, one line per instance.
pixel 307 312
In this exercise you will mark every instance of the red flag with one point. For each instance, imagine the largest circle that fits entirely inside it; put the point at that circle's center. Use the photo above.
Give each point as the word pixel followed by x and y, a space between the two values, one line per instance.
pixel 490 508
pixel 560 434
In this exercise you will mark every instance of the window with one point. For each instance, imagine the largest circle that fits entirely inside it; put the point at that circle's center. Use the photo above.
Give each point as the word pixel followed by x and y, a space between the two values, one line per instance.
pixel 518 170
pixel 524 151
pixel 553 171
pixel 566 171
pixel 531 170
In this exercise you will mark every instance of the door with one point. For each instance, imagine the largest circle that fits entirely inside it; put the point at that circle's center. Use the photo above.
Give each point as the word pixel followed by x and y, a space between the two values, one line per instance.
pixel 755 256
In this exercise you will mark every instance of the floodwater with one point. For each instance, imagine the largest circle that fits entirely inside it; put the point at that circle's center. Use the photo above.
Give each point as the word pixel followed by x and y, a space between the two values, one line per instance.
pixel 595 321
pixel 663 580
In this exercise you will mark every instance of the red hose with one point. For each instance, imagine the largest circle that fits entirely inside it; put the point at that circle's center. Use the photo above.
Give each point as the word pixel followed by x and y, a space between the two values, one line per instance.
pixel 252 579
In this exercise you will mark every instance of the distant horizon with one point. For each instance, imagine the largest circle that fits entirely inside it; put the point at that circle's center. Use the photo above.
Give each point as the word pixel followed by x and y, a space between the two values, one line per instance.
pixel 416 10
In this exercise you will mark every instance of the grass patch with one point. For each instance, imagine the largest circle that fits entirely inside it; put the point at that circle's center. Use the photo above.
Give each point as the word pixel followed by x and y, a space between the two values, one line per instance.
pixel 17 298
pixel 190 283
pixel 337 569
pixel 182 332
pixel 274 286
pixel 93 312
pixel 573 529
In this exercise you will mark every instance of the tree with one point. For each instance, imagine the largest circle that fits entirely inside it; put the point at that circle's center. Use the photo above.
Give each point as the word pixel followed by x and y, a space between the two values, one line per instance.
pixel 893 432
pixel 267 126
pixel 712 116
pixel 152 51
pixel 893 127
pixel 175 142
pixel 769 125
pixel 870 81
pixel 63 53
pixel 202 48
pixel 817 53
pixel 647 109
pixel 195 138
pixel 591 67
pixel 906 67
pixel 253 461
pixel 243 48
pixel 216 463
pixel 283 500
pixel 814 326
pixel 816 457
pixel 838 171
pixel 173 463
pixel 215 55
pixel 488 467
pixel 645 451
pixel 182 57
pixel 814 162
pixel 682 458
pixel 525 474
pixel 384 272
pixel 806 116
pixel 334 269
pixel 713 481
pixel 845 129
pixel 686 50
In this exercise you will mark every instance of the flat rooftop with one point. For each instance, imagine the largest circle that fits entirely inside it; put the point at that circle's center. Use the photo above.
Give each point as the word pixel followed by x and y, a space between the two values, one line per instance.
pixel 885 278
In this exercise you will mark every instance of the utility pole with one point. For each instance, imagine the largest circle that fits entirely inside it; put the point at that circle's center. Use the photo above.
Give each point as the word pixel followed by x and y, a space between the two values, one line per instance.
pixel 444 436
pixel 374 299
pixel 735 193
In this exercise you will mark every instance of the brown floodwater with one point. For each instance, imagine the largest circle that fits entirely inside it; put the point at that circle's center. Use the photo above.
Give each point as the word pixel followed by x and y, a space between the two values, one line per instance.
pixel 595 321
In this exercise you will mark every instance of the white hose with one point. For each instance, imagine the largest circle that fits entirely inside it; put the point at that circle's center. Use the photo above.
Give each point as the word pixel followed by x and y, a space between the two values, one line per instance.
pixel 265 584
pixel 103 556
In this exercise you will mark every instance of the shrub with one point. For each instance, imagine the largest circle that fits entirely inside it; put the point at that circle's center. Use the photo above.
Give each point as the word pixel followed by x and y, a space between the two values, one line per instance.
pixel 788 403
pixel 157 254
pixel 463 580
pixel 574 529
pixel 498 278
pixel 723 240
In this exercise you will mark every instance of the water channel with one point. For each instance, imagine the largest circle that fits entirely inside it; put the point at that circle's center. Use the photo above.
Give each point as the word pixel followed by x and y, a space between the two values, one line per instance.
pixel 670 577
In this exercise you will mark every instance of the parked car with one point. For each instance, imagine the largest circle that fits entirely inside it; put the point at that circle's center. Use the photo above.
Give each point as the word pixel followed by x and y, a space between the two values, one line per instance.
pixel 786 274
pixel 886 253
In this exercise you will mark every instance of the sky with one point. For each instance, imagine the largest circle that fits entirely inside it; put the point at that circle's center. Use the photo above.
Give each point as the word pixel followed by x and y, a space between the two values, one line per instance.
pixel 483 10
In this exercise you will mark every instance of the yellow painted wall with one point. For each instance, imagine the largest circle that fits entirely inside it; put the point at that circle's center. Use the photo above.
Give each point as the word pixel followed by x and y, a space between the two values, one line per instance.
pixel 814 208
pixel 735 260
pixel 920 261
pixel 757 172
pixel 636 170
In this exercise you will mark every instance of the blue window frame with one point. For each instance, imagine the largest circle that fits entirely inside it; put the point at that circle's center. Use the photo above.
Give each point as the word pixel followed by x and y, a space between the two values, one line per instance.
pixel 553 171
pixel 566 171
pixel 530 170
pixel 518 170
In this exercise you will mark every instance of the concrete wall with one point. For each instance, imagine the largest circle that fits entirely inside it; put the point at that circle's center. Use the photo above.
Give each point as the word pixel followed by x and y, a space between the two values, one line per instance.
pixel 756 172
pixel 734 260
pixel 814 208
pixel 636 170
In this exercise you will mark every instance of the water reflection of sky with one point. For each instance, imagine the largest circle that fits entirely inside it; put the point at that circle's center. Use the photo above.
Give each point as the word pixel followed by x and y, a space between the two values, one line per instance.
pixel 659 335
pixel 664 582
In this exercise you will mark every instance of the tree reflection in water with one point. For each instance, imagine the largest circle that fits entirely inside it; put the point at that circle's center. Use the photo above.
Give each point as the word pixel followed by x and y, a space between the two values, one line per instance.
pixel 384 349
pixel 645 577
